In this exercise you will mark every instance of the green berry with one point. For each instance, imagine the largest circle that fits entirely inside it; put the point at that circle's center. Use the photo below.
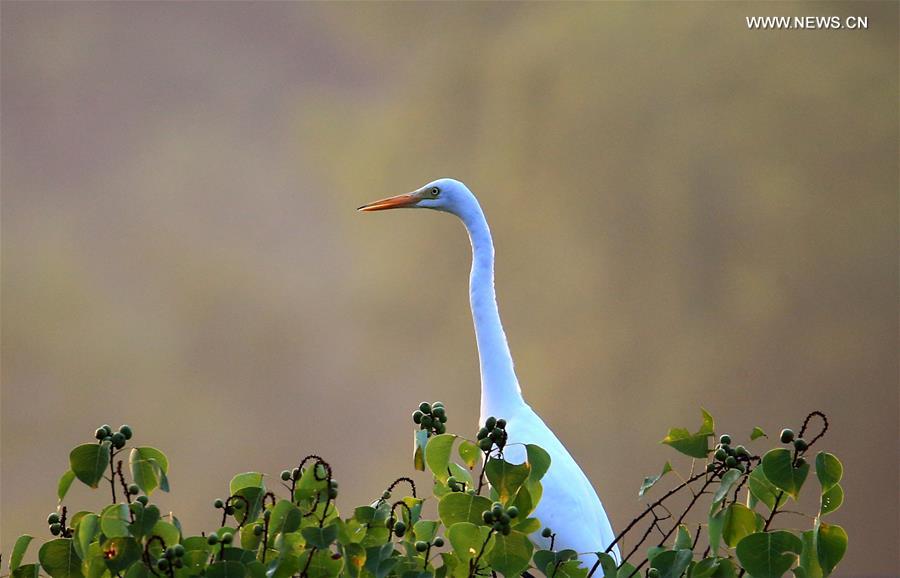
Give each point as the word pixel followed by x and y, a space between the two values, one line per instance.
pixel 490 422
pixel 229 510
pixel 218 503
pixel 285 475
pixel 267 514
pixel 741 451
pixel 143 500
pixel 501 423
pixel 487 516
pixel 118 440
pixel 228 538
pixel 55 528
pixel 53 518
pixel 505 519
pixel 512 511
pixel 800 445
pixel 440 428
pixel 482 433
pixel 710 466
pixel 133 489
pixel 425 407
pixel 438 412
pixel 169 553
pixel 212 540
pixel 438 542
pixel 332 493
pixel 399 527
pixel 257 530
pixel 730 461
pixel 100 433
pixel 546 532
pixel 107 429
pixel 417 417
pixel 295 474
pixel 162 564
pixel 506 530
pixel 178 549
pixel 486 444
pixel 437 404
pixel 178 563
pixel 721 454
pixel 652 573
pixel 421 546
pixel 126 431
pixel 800 462
pixel 725 439
pixel 787 436
pixel 386 495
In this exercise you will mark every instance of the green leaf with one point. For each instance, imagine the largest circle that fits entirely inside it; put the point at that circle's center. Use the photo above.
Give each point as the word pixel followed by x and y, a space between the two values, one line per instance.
pixel 469 453
pixel 778 466
pixel 695 445
pixel 168 532
pixel 461 507
pixel 831 544
pixel 757 433
pixel 437 455
pixel 285 517
pixel 26 571
pixel 738 521
pixel 570 569
pixel 65 482
pixel 89 462
pixel 467 539
pixel 683 539
pixel 809 558
pixel 716 521
pixel 196 553
pixel 763 490
pixel 769 554
pixel 539 460
pixel 144 520
pixel 246 480
pixel 725 569
pixel 832 499
pixel 120 553
pixel 829 470
pixel 421 440
pixel 650 481
pixel 356 559
pixel 149 468
pixel 114 520
pixel 607 564
pixel 18 551
pixel 425 530
pixel 320 537
pixel 226 569
pixel 672 563
pixel 85 531
pixel 510 554
pixel 704 568
pixel 59 559
pixel 506 478
pixel 728 480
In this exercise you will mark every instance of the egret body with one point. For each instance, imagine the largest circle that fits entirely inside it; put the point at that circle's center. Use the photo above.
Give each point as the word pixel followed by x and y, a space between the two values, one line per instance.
pixel 569 505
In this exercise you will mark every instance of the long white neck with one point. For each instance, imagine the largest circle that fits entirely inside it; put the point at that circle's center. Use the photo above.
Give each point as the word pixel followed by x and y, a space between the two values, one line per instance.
pixel 500 392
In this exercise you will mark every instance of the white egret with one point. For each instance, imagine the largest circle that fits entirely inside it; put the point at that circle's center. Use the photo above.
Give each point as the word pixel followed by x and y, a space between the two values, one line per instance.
pixel 569 506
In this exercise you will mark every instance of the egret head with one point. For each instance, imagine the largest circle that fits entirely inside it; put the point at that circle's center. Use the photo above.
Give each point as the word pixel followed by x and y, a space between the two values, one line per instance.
pixel 446 195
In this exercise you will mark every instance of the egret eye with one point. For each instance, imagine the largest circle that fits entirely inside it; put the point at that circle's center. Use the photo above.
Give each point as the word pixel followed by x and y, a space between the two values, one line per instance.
pixel 435 191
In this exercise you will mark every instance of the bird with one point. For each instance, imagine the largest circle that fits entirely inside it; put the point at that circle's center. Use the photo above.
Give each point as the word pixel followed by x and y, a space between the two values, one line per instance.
pixel 569 504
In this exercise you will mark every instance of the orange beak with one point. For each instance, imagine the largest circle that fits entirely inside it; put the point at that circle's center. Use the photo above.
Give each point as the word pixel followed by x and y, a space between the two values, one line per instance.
pixel 398 202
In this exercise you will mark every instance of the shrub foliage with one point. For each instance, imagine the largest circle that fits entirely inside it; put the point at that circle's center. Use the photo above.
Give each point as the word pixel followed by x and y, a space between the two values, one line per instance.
pixel 290 527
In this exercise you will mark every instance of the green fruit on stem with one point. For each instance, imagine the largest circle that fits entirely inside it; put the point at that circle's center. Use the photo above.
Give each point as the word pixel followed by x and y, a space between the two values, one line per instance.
pixel 721 454
pixel 438 542
pixel 143 500
pixel 482 433
pixel 800 462
pixel 501 423
pixel 100 433
pixel 106 428
pixel 212 540
pixel 425 407
pixel 134 490
pixel 56 528
pixel 285 475
pixel 800 445
pixel 486 444
pixel 162 564
pixel 228 538
pixel 53 518
pixel 126 431
pixel 218 503
pixel 386 495
pixel 487 516
pixel 178 563
pixel 257 530
pixel 725 439
pixel 229 510
pixel 438 411
pixel 417 417
pixel 421 546
pixel 546 532
pixel 178 549
pixel 730 461
pixel 490 422
pixel 512 511
pixel 787 436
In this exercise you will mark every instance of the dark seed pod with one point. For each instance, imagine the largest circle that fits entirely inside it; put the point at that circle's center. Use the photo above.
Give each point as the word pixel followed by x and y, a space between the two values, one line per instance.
pixel 332 493
pixel 487 516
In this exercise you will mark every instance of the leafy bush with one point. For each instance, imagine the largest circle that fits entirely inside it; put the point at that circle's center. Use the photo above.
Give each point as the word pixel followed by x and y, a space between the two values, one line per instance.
pixel 483 526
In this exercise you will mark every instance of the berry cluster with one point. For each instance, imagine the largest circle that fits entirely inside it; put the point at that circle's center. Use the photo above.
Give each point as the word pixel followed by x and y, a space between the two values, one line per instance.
pixel 398 527
pixel 219 504
pixel 105 433
pixel 287 475
pixel 493 433
pixel 423 546
pixel 226 539
pixel 57 525
pixel 455 484
pixel 172 557
pixel 787 437
pixel 731 457
pixel 500 518
pixel 431 417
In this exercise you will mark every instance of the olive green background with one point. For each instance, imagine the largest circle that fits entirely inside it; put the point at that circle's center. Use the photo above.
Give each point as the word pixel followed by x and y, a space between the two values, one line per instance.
pixel 687 213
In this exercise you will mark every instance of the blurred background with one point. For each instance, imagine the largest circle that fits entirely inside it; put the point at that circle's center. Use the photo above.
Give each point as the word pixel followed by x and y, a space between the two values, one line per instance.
pixel 686 213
